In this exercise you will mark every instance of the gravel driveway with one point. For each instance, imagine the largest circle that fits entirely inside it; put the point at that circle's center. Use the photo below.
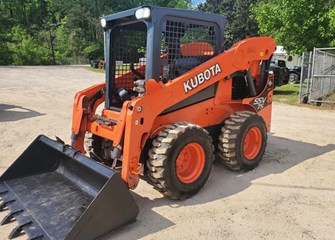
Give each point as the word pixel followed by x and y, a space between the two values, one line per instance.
pixel 291 195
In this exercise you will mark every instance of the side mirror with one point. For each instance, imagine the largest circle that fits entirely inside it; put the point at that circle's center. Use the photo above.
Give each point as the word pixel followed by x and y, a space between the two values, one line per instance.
pixel 290 58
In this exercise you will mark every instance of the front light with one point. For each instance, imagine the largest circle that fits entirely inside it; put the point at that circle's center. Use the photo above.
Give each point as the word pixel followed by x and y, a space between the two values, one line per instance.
pixel 143 13
pixel 103 22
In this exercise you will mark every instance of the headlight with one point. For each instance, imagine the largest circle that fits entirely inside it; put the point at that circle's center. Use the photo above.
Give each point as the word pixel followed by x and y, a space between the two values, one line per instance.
pixel 103 22
pixel 143 13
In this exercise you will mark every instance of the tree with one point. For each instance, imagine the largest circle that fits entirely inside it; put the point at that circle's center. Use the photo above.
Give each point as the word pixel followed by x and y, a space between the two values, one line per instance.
pixel 299 25
pixel 53 31
pixel 332 24
pixel 5 25
pixel 182 4
pixel 240 23
pixel 26 50
pixel 5 54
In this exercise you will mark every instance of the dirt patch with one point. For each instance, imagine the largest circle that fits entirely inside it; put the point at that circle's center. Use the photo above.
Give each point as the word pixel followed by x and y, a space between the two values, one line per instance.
pixel 291 195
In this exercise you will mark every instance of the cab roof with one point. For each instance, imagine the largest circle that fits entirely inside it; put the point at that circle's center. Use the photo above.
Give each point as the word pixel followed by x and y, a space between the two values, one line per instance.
pixel 157 13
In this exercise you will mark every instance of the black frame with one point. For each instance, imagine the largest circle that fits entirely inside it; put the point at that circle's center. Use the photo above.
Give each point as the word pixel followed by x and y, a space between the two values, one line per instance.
pixel 154 29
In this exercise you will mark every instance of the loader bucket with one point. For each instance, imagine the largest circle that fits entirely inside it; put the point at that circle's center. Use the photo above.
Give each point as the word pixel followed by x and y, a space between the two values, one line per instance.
pixel 55 192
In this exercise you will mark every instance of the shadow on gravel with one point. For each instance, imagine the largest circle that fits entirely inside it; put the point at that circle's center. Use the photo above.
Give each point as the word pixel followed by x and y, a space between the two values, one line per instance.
pixel 281 155
pixel 10 113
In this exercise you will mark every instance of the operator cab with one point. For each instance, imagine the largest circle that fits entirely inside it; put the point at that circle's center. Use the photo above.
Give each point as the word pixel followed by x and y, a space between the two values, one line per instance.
pixel 156 43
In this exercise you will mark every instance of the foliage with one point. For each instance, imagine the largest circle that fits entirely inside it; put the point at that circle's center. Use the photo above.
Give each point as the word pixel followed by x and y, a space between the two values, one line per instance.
pixel 240 22
pixel 53 31
pixel 93 51
pixel 26 50
pixel 299 25
pixel 332 25
pixel 181 4
pixel 5 54
pixel 98 70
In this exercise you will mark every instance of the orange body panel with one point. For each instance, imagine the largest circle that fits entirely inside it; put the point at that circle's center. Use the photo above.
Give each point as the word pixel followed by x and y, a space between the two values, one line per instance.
pixel 203 113
pixel 140 118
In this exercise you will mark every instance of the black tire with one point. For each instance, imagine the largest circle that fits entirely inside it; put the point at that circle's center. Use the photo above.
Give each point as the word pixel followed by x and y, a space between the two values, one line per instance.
pixel 162 163
pixel 231 141
pixel 95 147
pixel 293 78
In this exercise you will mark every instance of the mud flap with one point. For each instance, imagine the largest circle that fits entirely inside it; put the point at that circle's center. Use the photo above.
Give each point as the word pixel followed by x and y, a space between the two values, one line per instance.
pixel 55 192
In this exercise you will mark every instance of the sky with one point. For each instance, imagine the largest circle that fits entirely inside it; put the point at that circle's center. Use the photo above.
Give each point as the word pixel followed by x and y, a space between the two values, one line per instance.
pixel 198 1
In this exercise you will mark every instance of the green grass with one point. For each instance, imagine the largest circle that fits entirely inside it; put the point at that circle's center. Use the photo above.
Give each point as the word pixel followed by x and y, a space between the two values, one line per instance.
pixel 119 69
pixel 288 93
pixel 95 69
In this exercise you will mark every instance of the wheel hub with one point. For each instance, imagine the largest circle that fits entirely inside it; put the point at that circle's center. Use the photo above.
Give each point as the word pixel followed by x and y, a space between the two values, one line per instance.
pixel 252 143
pixel 190 163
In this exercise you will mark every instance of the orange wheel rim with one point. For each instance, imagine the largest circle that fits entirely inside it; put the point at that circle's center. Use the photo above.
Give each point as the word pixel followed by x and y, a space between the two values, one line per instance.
pixel 190 163
pixel 252 143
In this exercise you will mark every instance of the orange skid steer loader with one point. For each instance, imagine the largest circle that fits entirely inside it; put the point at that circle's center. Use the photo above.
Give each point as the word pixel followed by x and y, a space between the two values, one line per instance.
pixel 172 100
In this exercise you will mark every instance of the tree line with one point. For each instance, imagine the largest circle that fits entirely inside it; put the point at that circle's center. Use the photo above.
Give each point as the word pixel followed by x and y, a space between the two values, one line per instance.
pixel 298 25
pixel 35 32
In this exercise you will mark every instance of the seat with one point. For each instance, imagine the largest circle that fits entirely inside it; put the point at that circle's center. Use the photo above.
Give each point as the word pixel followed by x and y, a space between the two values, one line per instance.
pixel 193 54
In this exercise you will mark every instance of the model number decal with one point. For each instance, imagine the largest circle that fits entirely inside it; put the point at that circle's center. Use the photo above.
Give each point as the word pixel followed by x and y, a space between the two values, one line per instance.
pixel 200 78
pixel 259 102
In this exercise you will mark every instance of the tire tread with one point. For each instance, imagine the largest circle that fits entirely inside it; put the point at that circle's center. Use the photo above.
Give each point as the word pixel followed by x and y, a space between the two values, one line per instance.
pixel 158 156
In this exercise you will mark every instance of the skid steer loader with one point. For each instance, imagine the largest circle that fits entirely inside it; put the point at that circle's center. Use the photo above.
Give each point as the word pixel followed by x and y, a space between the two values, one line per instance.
pixel 172 100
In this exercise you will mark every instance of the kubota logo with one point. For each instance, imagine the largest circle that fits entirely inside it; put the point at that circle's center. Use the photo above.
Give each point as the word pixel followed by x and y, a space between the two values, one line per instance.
pixel 202 77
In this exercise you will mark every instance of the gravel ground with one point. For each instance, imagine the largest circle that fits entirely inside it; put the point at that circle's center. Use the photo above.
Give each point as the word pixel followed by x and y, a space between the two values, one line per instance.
pixel 291 195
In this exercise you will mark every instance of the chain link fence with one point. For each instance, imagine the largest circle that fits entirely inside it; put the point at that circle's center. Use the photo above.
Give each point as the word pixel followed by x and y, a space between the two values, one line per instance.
pixel 318 76
pixel 305 76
